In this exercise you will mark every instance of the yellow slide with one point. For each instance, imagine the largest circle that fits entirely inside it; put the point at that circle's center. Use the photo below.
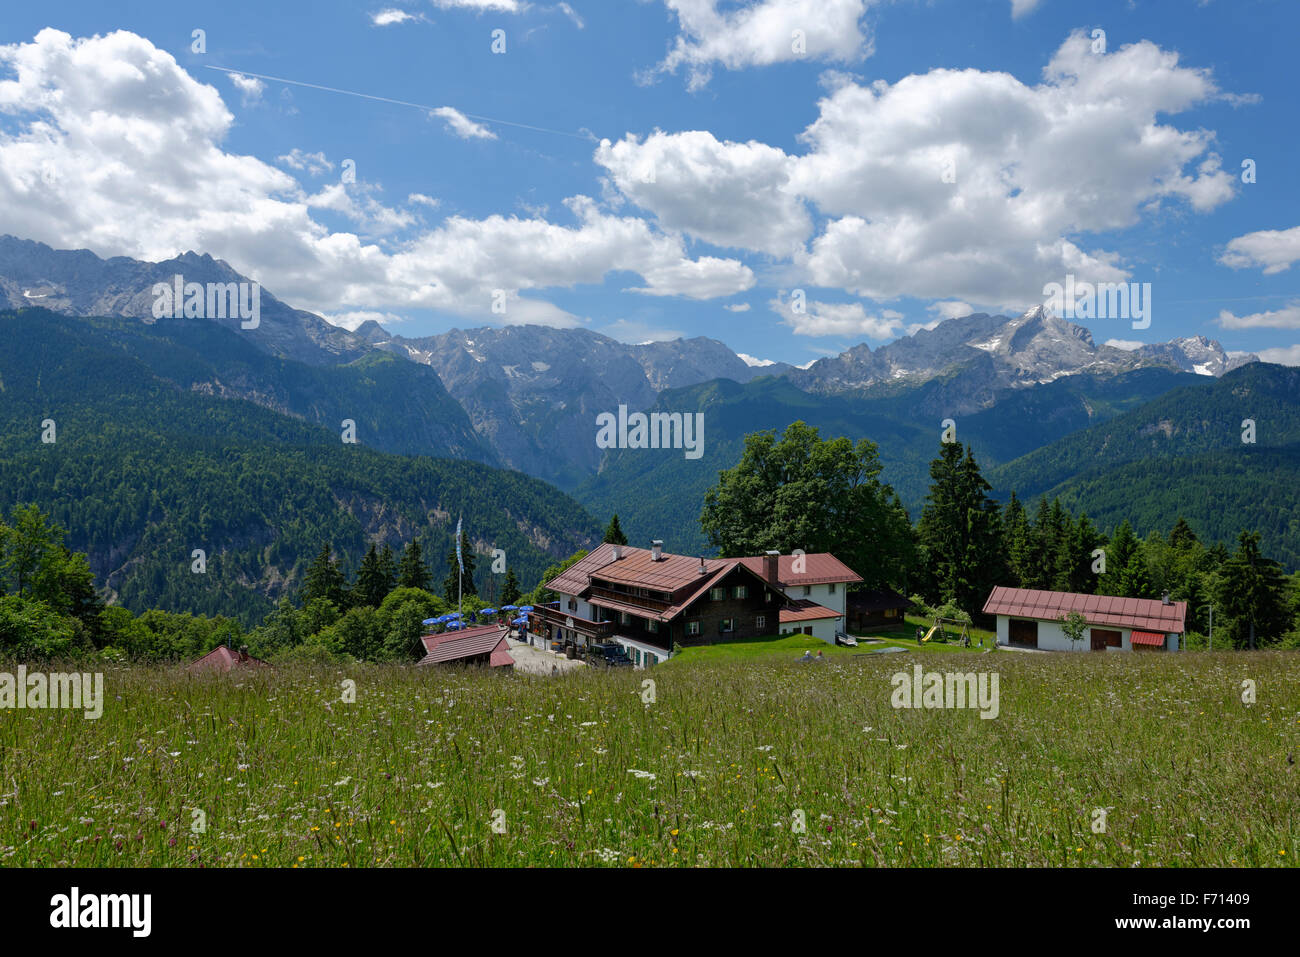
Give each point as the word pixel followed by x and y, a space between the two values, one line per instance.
pixel 930 634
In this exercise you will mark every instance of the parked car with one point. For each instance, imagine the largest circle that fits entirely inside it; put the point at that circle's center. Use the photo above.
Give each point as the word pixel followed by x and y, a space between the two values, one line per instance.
pixel 611 655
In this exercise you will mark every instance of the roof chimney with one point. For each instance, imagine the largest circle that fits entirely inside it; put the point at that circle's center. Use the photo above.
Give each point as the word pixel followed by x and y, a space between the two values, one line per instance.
pixel 618 552
pixel 772 566
pixel 703 568
pixel 657 550
pixel 243 652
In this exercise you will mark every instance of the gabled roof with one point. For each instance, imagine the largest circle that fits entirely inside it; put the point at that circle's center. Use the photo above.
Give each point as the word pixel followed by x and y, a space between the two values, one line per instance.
pixel 433 641
pixel 820 568
pixel 805 610
pixel 222 658
pixel 1148 614
pixel 470 643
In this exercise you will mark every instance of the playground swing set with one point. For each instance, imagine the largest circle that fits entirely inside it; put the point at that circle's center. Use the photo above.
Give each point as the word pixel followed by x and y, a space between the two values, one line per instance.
pixel 960 632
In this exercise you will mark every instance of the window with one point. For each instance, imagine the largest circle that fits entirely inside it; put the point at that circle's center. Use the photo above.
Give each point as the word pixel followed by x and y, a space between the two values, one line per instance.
pixel 651 626
pixel 692 628
pixel 830 589
pixel 624 618
pixel 760 622
pixel 573 604
pixel 742 591
pixel 807 590
pixel 717 594
pixel 727 625
pixel 891 612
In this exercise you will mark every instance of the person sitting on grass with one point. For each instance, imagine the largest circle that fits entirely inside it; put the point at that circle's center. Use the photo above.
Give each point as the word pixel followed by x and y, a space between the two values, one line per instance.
pixel 807 656
pixel 820 657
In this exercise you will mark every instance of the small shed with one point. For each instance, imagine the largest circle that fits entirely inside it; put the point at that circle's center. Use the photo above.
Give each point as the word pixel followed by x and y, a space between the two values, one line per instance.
pixel 1031 618
pixel 872 608
pixel 485 645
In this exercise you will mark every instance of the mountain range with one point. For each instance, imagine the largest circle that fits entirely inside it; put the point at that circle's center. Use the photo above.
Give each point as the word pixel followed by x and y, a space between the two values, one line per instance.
pixel 1021 389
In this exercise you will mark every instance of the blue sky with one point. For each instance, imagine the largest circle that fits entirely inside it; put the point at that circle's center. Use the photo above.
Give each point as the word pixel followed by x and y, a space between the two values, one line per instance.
pixel 690 168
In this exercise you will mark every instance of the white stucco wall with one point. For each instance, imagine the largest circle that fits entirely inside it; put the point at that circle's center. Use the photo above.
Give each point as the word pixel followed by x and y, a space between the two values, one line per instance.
pixel 1052 638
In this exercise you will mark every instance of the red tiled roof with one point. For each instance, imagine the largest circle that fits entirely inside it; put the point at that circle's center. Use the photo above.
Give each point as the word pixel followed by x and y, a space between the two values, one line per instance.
pixel 222 658
pixel 469 644
pixel 1145 613
pixel 1148 638
pixel 805 610
pixel 433 641
pixel 818 569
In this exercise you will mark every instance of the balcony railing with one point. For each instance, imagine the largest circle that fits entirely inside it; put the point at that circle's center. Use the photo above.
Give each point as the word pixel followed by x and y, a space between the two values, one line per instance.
pixel 542 615
pixel 649 604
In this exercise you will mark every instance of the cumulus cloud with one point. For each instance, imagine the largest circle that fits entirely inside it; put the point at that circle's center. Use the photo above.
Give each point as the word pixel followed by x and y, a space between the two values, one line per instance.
pixel 1128 345
pixel 737 307
pixel 313 163
pixel 250 87
pixel 839 319
pixel 1283 355
pixel 951 309
pixel 1020 8
pixel 728 194
pixel 1273 250
pixel 421 199
pixel 462 125
pixel 134 145
pixel 639 333
pixel 953 184
pixel 1288 317
pixel 762 33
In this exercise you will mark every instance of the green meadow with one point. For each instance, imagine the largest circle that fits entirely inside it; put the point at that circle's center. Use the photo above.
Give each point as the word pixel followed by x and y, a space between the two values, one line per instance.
pixel 1115 760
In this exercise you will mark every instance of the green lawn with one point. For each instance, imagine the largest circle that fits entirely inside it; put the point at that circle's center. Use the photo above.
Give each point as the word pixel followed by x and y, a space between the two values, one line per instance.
pixel 793 646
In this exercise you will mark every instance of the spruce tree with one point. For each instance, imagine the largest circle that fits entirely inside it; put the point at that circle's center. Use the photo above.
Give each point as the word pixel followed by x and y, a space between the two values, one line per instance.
pixel 960 531
pixel 1251 595
pixel 613 533
pixel 510 590
pixel 412 572
pixel 373 582
pixel 324 580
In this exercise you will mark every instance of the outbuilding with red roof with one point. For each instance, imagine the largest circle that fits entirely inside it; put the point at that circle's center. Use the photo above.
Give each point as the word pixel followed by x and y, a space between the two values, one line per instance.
pixel 1030 618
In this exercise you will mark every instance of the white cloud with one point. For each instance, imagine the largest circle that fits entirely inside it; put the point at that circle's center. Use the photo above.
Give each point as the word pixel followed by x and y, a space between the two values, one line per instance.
pixel 462 125
pixel 500 6
pixel 839 319
pixel 572 14
pixel 761 33
pixel 1283 355
pixel 250 87
pixel 351 320
pixel 313 163
pixel 1288 317
pixel 1274 250
pixel 639 333
pixel 134 144
pixel 1080 152
pixel 1020 8
pixel 422 200
pixel 737 307
pixel 755 363
pixel 951 309
pixel 728 194
pixel 1089 149
pixel 1128 345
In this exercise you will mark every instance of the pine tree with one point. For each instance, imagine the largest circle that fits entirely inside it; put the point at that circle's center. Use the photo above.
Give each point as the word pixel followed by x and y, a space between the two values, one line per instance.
pixel 614 534
pixel 1251 595
pixel 1126 575
pixel 1018 541
pixel 465 578
pixel 960 531
pixel 373 583
pixel 510 590
pixel 412 572
pixel 388 568
pixel 1181 536
pixel 324 580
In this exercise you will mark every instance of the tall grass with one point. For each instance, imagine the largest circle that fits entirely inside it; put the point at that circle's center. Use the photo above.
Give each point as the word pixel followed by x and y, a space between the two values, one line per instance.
pixel 579 770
